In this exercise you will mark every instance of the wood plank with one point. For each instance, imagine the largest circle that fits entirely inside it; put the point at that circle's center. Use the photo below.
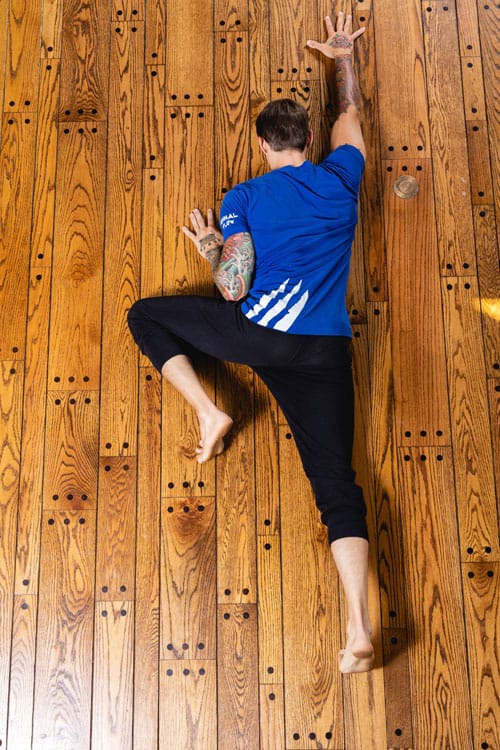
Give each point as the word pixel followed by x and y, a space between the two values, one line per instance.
pixel 51 23
pixel 127 10
pixel 494 400
pixel 236 542
pixel 489 20
pixel 189 73
pixel 475 490
pixel 266 460
pixel 86 39
pixel 232 126
pixel 363 695
pixel 77 259
pixel 404 129
pixel 310 613
pixel 231 15
pixel 188 704
pixel 22 672
pixel 397 688
pixel 479 162
pixel 448 139
pixel 468 28
pixel 154 116
pixel 269 610
pixel 118 424
pixel 384 459
pixel 488 262
pixel 71 450
pixel 272 723
pixel 372 221
pixel 33 442
pixel 155 30
pixel 473 89
pixel 188 579
pixel 112 695
pixel 420 384
pixel 63 680
pixel 189 182
pixel 237 673
pixel 21 75
pixel 147 601
pixel 116 529
pixel 16 189
pixel 441 712
pixel 482 617
pixel 11 381
pixel 42 231
pixel 4 16
pixel 259 71
pixel 291 25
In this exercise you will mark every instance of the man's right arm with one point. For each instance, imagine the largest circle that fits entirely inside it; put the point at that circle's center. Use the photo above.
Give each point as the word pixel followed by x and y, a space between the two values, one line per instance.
pixel 346 128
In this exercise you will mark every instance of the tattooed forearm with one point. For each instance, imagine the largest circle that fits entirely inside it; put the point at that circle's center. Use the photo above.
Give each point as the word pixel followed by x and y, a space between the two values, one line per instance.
pixel 211 248
pixel 347 90
pixel 234 273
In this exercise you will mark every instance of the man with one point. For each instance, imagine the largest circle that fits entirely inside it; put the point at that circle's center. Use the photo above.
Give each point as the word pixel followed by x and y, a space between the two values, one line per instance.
pixel 281 264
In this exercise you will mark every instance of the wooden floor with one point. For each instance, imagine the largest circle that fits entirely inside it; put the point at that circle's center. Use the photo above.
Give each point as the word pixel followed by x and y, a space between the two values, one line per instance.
pixel 146 602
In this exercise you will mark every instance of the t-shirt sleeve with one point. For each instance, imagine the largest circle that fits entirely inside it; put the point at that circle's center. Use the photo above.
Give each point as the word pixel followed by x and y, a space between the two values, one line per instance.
pixel 348 163
pixel 233 218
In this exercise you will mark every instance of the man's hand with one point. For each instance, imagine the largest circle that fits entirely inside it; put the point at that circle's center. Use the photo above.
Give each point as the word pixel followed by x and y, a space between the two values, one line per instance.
pixel 207 238
pixel 340 41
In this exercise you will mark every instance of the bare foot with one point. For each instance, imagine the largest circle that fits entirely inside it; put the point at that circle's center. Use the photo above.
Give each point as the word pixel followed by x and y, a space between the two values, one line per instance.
pixel 213 427
pixel 358 654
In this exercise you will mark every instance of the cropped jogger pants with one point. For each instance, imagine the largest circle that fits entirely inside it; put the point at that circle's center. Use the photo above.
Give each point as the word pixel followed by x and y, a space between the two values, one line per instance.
pixel 310 377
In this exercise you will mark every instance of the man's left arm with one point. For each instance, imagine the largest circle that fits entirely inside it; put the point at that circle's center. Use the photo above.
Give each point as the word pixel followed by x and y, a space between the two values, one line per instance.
pixel 232 262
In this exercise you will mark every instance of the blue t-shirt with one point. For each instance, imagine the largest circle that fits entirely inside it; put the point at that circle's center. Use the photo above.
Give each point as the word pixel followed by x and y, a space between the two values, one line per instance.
pixel 302 221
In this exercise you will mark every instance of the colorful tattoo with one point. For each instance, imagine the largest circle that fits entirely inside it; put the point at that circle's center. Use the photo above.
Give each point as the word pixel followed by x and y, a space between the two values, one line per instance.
pixel 347 90
pixel 339 41
pixel 234 273
pixel 210 248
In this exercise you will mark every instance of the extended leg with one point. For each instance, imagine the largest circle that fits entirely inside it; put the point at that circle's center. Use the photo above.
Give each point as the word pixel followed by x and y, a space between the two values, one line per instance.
pixel 351 558
pixel 214 423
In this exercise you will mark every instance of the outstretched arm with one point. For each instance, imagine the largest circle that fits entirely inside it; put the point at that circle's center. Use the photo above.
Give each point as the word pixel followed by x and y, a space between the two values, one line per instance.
pixel 232 262
pixel 339 47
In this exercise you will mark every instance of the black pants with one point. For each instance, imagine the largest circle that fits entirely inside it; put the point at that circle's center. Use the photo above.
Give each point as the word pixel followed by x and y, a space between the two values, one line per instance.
pixel 310 377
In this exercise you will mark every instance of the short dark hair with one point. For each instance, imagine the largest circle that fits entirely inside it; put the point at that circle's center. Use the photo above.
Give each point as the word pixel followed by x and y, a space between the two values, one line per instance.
pixel 284 124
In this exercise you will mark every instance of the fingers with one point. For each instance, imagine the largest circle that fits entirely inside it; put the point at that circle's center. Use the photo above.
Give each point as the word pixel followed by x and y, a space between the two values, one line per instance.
pixel 197 220
pixel 189 234
pixel 358 33
pixel 329 27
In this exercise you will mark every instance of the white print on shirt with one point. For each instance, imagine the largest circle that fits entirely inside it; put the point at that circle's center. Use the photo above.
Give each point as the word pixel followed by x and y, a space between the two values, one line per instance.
pixel 227 220
pixel 282 305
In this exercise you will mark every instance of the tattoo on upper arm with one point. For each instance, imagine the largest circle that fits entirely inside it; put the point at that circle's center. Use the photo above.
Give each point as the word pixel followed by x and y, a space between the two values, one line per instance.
pixel 236 266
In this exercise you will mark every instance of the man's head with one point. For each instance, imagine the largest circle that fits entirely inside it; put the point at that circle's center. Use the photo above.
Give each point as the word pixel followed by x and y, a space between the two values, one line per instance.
pixel 284 125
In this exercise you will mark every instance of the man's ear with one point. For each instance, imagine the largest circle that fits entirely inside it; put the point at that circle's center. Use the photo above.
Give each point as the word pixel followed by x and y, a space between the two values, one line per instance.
pixel 310 139
pixel 263 145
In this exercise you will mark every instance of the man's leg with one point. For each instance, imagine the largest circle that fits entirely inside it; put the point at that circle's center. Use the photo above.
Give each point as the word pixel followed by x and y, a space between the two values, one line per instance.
pixel 214 423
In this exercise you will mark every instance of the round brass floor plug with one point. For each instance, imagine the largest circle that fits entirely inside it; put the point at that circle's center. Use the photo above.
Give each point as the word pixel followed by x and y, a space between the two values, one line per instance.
pixel 406 187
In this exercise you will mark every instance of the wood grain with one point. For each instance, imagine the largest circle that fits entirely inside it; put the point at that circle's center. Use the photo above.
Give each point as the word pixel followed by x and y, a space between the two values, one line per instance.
pixel 118 418
pixel 404 128
pixel 16 189
pixel 448 139
pixel 116 529
pixel 311 624
pixel 481 594
pixel 437 650
pixel 22 672
pixel 479 162
pixel 86 38
pixel 52 13
pixel 21 73
pixel 238 719
pixel 188 579
pixel 155 26
pixel 70 478
pixel 11 380
pixel 189 72
pixel 78 258
pixel 112 710
pixel 475 490
pixel 147 606
pixel 188 704
pixel 63 683
pixel 420 385
pixel 397 688
pixel 488 263
pixel 269 609
pixel 384 457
